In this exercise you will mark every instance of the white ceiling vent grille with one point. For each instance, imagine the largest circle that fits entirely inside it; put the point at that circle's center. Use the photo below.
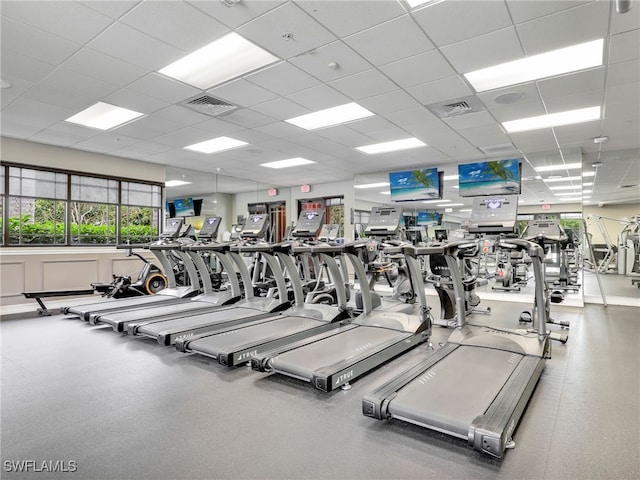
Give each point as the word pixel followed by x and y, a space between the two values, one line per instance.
pixel 209 105
pixel 497 149
pixel 457 107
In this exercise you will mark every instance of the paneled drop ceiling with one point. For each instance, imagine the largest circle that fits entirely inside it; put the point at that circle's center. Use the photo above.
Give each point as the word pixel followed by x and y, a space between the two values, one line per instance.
pixel 61 57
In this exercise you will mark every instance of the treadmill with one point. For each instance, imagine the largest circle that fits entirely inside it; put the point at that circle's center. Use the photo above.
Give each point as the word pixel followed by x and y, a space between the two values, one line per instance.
pixel 477 386
pixel 237 346
pixel 250 309
pixel 333 359
pixel 173 293
pixel 207 301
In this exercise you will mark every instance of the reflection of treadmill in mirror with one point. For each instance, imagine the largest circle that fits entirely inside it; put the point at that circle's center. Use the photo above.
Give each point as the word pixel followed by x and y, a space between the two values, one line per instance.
pixel 476 387
pixel 250 309
pixel 209 300
pixel 173 292
pixel 237 345
pixel 384 222
pixel 494 214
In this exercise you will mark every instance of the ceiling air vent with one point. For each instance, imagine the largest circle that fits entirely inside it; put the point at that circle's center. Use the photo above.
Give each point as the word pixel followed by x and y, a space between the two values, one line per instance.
pixel 497 149
pixel 214 107
pixel 457 107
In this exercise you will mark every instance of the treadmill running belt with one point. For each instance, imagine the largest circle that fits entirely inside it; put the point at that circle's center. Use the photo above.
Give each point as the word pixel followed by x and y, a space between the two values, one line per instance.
pixel 451 394
pixel 302 362
pixel 279 328
pixel 195 321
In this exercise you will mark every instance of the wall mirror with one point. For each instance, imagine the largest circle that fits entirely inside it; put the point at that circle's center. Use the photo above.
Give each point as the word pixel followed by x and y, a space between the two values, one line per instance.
pixel 453 211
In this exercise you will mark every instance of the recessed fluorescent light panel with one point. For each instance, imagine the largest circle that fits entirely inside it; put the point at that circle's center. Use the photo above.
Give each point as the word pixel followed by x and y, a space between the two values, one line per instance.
pixel 228 57
pixel 556 62
pixel 392 146
pixel 559 119
pixel 372 185
pixel 216 145
pixel 290 162
pixel 450 177
pixel 103 116
pixel 331 116
pixel 565 187
pixel 175 183
pixel 451 205
pixel 416 3
pixel 561 179
pixel 563 166
pixel 435 201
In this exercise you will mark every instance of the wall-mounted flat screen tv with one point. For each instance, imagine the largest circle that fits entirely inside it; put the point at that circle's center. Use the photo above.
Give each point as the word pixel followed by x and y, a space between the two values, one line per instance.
pixel 499 177
pixel 184 207
pixel 416 185
pixel 429 218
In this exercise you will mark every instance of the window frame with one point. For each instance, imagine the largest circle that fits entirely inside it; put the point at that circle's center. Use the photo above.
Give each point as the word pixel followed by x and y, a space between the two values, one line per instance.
pixel 6 195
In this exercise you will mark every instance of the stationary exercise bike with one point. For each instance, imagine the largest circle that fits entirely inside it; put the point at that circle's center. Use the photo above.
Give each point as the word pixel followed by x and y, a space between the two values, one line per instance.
pixel 440 277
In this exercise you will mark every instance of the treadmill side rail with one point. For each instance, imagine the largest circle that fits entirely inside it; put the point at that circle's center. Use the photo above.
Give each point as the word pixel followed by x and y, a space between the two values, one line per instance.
pixel 329 378
pixel 491 432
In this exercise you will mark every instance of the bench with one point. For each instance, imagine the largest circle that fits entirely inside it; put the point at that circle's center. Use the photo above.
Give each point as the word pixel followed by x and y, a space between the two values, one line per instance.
pixel 38 296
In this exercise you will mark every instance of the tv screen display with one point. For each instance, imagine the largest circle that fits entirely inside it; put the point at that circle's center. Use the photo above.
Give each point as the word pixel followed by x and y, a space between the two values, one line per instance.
pixel 429 218
pixel 500 177
pixel 184 207
pixel 415 185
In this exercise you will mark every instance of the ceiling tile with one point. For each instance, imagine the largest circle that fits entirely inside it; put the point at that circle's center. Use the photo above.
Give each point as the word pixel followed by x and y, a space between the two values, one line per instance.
pixel 418 69
pixel 528 90
pixel 625 46
pixel 402 39
pixel 569 27
pixel 278 129
pixel 389 102
pixel 248 118
pixel 317 62
pixel 110 8
pixel 345 17
pixel 469 120
pixel 364 84
pixel 73 21
pixel 535 141
pixel 158 19
pixel 126 43
pixel 623 73
pixel 181 116
pixel 579 100
pixel 625 22
pixel 451 22
pixel 269 31
pixel 525 10
pixel 20 67
pixel 578 134
pixel 241 92
pixel 440 90
pixel 70 89
pixel 238 14
pixel 163 88
pixel 98 65
pixel 484 51
pixel 31 42
pixel 573 83
pixel 283 79
pixel 280 109
pixel 133 100
pixel 318 97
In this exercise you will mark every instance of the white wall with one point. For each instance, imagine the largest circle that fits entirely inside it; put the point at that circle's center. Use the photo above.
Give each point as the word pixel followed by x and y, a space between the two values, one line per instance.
pixel 41 155
pixel 613 223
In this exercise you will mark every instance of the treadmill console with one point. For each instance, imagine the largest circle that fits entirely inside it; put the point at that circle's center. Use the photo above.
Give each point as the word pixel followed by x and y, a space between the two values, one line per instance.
pixel 255 226
pixel 329 232
pixel 494 214
pixel 309 223
pixel 172 228
pixel 549 230
pixel 209 228
pixel 383 222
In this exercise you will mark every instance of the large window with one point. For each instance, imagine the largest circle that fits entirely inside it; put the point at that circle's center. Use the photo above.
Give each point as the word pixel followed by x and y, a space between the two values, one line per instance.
pixel 42 207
